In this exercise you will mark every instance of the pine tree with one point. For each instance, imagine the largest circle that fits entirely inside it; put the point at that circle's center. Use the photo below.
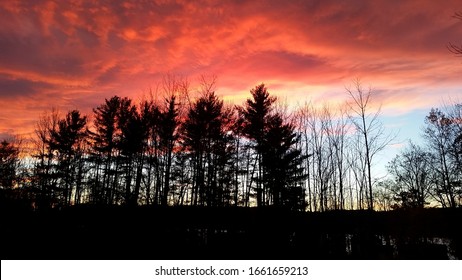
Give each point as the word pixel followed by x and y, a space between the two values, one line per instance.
pixel 105 141
pixel 203 136
pixel 67 142
pixel 256 113
pixel 282 163
pixel 9 160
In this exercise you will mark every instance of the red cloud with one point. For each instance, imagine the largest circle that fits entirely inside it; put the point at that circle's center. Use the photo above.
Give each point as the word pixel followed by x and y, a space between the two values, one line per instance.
pixel 72 54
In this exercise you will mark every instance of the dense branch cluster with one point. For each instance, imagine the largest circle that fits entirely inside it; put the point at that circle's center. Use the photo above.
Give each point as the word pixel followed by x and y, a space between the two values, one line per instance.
pixel 201 152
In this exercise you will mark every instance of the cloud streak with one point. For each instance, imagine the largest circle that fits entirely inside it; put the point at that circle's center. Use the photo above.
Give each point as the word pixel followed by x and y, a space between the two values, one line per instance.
pixel 72 53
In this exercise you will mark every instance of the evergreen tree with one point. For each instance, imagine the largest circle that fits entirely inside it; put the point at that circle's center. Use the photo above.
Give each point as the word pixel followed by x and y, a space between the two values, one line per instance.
pixel 256 113
pixel 282 163
pixel 105 141
pixel 67 141
pixel 168 134
pixel 203 136
pixel 133 141
pixel 9 161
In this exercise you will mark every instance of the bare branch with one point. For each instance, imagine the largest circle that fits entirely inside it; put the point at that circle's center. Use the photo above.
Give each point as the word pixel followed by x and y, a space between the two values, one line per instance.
pixel 451 47
pixel 455 49
pixel 458 15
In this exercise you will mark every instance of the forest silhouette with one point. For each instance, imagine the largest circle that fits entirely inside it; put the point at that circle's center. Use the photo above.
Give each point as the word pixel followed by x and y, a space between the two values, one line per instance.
pixel 185 176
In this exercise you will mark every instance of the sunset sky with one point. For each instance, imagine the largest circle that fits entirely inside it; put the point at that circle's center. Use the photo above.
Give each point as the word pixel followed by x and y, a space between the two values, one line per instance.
pixel 73 54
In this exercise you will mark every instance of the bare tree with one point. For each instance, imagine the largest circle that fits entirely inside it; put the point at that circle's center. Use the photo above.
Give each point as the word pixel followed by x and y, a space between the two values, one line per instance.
pixel 411 170
pixel 336 130
pixel 371 129
pixel 441 134
pixel 303 120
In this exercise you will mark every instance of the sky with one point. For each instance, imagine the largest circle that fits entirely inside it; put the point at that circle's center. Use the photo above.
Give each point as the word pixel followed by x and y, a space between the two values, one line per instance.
pixel 73 54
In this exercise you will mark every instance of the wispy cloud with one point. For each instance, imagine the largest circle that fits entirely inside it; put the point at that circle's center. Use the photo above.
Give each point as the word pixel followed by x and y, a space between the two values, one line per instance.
pixel 75 53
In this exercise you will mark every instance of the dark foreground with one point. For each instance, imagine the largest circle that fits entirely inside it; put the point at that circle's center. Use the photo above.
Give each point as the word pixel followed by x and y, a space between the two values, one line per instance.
pixel 89 232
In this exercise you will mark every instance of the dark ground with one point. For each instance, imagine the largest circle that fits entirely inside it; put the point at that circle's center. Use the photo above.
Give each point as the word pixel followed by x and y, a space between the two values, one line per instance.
pixel 116 232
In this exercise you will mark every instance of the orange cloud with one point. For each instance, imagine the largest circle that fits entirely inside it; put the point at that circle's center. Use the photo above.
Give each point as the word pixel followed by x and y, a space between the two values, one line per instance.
pixel 73 54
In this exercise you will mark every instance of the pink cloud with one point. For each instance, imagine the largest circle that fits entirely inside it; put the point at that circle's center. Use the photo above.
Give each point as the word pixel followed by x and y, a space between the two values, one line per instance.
pixel 73 54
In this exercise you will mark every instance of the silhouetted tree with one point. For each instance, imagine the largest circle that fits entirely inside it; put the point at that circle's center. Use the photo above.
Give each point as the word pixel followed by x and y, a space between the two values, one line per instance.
pixel 370 128
pixel 154 158
pixel 441 134
pixel 105 141
pixel 324 143
pixel 9 163
pixel 202 136
pixel 303 118
pixel 411 171
pixel 454 112
pixel 201 130
pixel 282 164
pixel 133 141
pixel 227 150
pixel 316 121
pixel 182 175
pixel 67 142
pixel 156 152
pixel 168 133
pixel 337 128
pixel 239 168
pixel 44 179
pixel 256 113
pixel 384 196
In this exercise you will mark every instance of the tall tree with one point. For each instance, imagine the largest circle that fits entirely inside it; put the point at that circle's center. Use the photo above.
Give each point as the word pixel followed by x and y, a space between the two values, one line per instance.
pixel 239 155
pixel 164 119
pixel 168 132
pixel 105 141
pixel 454 113
pixel 368 125
pixel 44 179
pixel 132 144
pixel 256 113
pixel 282 163
pixel 67 142
pixel 203 133
pixel 304 117
pixel 441 134
pixel 337 128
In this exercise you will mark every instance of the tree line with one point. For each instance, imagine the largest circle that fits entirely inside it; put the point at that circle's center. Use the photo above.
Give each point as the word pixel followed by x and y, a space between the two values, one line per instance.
pixel 197 150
